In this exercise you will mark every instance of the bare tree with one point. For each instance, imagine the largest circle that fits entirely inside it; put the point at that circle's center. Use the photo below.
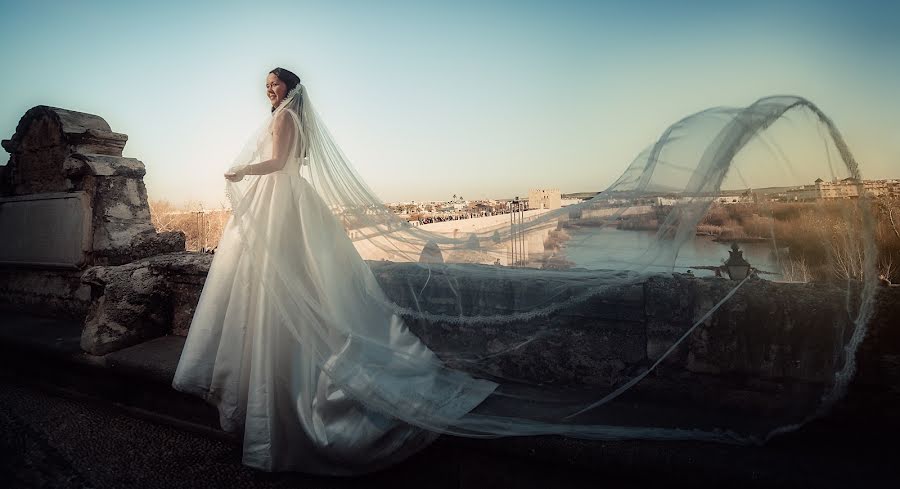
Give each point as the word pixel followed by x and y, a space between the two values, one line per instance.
pixel 887 268
pixel 795 270
pixel 890 210
pixel 846 253
pixel 202 228
pixel 162 215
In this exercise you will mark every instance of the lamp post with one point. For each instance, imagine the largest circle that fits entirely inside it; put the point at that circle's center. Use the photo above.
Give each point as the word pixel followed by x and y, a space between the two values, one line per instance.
pixel 737 267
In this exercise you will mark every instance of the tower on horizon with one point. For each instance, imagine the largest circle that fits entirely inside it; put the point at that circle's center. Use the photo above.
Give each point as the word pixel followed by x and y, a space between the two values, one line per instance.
pixel 544 199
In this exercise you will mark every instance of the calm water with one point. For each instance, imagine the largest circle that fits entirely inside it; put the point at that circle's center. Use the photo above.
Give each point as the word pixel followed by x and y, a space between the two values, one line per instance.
pixel 610 248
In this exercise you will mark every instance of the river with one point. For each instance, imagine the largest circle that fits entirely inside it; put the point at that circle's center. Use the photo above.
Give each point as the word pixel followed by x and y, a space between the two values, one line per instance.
pixel 610 248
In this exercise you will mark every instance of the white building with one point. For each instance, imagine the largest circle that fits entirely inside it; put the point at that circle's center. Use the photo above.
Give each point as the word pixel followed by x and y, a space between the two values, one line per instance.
pixel 848 188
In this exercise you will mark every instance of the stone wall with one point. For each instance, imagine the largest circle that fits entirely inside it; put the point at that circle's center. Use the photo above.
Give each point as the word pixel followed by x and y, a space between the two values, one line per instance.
pixel 595 342
pixel 56 154
pixel 142 300
pixel 768 329
pixel 768 344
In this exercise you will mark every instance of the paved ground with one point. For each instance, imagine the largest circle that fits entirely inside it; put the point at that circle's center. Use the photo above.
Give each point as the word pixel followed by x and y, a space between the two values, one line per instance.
pixel 50 441
pixel 54 442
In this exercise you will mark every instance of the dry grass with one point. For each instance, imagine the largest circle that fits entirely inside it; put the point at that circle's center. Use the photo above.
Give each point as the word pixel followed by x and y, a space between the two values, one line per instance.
pixel 822 238
pixel 202 227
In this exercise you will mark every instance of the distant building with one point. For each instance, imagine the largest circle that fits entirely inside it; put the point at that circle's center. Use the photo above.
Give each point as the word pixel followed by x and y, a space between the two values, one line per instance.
pixel 745 197
pixel 664 201
pixel 893 188
pixel 544 199
pixel 848 188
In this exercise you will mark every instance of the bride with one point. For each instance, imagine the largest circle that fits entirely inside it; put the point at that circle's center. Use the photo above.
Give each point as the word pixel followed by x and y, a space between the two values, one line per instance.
pixel 303 353
pixel 289 375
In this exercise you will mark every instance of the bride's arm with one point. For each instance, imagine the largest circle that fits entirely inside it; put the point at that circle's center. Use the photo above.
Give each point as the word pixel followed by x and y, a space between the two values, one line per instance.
pixel 282 129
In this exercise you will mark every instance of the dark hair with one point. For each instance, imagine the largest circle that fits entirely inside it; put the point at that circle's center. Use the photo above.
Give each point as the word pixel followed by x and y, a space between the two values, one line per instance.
pixel 289 78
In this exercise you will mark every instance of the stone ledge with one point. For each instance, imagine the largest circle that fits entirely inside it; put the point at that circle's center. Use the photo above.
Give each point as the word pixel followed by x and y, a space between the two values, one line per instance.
pixel 79 165
pixel 154 360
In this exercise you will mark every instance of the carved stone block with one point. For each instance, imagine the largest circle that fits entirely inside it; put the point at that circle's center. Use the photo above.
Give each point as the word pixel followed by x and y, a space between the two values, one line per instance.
pixel 49 230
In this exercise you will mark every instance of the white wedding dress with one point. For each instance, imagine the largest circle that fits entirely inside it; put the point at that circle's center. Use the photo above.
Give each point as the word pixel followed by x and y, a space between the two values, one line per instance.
pixel 260 362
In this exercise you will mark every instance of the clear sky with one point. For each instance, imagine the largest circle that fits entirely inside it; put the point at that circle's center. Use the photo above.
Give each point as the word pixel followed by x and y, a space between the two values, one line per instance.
pixel 430 99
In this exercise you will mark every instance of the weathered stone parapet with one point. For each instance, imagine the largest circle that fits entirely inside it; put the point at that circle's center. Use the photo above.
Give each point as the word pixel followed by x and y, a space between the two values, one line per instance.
pixel 86 131
pixel 770 330
pixel 770 350
pixel 595 342
pixel 45 137
pixel 59 150
pixel 69 200
pixel 878 358
pixel 185 274
pixel 121 214
pixel 142 300
pixel 58 293
pixel 768 353
pixel 130 307
pixel 150 244
pixel 79 165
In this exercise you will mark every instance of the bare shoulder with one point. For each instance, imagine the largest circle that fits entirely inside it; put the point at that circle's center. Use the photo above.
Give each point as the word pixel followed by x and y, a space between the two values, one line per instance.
pixel 282 121
pixel 285 116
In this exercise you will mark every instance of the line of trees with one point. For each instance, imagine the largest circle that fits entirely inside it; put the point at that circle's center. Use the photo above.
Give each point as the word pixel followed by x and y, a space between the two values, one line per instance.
pixel 202 228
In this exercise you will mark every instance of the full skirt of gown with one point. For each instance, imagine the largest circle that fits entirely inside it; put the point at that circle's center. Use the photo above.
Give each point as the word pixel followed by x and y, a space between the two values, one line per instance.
pixel 285 285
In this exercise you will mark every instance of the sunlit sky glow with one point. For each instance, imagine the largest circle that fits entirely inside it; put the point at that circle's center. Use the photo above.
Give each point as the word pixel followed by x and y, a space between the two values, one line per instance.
pixel 481 99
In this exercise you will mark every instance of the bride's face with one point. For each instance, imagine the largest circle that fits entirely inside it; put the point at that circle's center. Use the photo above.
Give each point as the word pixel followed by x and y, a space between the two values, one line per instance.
pixel 275 89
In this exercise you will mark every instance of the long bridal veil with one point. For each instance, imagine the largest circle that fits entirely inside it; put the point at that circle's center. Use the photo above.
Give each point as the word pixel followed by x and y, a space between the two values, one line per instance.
pixel 554 303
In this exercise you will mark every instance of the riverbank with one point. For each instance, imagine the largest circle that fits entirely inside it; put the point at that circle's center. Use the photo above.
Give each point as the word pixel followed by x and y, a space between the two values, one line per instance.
pixel 476 224
pixel 611 248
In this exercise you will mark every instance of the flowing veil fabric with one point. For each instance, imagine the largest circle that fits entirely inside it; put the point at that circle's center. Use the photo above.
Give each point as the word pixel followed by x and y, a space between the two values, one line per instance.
pixel 299 345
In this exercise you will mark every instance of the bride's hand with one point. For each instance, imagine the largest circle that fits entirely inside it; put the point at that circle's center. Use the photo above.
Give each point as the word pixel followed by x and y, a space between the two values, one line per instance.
pixel 233 176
